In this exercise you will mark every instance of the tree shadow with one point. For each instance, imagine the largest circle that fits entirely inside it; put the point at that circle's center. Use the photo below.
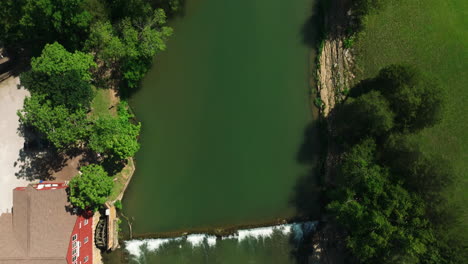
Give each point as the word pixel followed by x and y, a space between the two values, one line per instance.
pixel 307 196
pixel 113 165
pixel 39 160
pixel 313 29
pixel 12 65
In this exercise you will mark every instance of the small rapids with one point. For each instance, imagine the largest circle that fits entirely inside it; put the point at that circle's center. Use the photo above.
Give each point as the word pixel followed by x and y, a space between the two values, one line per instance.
pixel 294 232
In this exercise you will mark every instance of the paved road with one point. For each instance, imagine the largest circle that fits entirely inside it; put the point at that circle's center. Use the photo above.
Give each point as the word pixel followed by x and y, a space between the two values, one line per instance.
pixel 11 99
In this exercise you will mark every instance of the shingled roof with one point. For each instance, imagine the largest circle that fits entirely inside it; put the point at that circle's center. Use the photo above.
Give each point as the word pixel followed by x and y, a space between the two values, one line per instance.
pixel 39 228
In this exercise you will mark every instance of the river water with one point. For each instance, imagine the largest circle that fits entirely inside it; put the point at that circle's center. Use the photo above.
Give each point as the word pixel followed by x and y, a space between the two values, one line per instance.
pixel 227 136
pixel 281 244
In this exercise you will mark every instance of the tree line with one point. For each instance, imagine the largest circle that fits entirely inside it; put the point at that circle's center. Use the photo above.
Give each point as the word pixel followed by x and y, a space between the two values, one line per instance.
pixel 72 46
pixel 390 200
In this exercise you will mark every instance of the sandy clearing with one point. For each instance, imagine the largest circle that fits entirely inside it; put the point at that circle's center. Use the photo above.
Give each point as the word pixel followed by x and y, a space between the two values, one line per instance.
pixel 11 100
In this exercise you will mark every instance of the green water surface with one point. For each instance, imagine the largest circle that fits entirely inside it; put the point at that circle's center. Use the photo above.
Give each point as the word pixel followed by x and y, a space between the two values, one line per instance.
pixel 224 110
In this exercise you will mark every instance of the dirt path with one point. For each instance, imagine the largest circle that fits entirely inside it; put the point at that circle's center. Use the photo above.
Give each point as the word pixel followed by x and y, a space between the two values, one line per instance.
pixel 11 100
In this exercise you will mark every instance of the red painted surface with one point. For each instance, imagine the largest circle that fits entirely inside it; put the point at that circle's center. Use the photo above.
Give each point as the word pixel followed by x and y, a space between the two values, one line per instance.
pixel 83 249
pixel 43 186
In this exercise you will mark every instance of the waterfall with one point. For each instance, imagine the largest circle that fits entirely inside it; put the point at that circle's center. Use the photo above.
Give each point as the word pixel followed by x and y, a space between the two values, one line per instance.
pixel 296 230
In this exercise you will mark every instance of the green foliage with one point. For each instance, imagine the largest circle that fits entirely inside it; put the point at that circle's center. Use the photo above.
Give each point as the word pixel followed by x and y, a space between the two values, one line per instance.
pixel 120 9
pixel 385 223
pixel 349 42
pixel 60 126
pixel 391 204
pixel 89 191
pixel 56 60
pixel 416 101
pixel 115 136
pixel 62 77
pixel 142 39
pixel 360 8
pixel 318 102
pixel 399 34
pixel 118 204
pixel 34 23
pixel 67 89
pixel 98 10
pixel 103 40
pixel 368 115
pixel 130 48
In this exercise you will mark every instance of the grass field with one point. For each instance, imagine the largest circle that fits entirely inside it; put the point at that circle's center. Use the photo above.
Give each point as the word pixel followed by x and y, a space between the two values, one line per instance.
pixel 101 103
pixel 433 35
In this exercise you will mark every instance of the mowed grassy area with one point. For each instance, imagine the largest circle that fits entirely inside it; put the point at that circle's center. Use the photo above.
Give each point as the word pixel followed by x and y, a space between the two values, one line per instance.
pixel 433 35
pixel 101 104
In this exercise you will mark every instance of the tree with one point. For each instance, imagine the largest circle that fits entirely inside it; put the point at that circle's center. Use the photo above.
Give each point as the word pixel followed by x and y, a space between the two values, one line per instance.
pixel 89 191
pixel 60 126
pixel 361 8
pixel 143 39
pixel 67 89
pixel 115 136
pixel 62 77
pixel 367 116
pixel 33 23
pixel 415 100
pixel 130 47
pixel 103 40
pixel 9 21
pixel 56 60
pixel 384 222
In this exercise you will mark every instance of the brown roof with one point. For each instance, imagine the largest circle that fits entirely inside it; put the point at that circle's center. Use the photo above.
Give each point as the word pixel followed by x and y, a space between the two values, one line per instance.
pixel 39 229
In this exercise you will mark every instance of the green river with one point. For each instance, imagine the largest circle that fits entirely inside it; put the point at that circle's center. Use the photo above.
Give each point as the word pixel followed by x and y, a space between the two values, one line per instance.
pixel 227 118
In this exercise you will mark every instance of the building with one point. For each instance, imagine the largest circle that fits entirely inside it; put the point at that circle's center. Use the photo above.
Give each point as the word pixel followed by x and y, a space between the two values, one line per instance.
pixel 43 229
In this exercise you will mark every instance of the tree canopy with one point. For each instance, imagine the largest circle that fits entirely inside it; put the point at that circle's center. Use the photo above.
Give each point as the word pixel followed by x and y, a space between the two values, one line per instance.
pixel 62 77
pixel 370 115
pixel 399 99
pixel 115 136
pixel 391 201
pixel 385 222
pixel 60 126
pixel 56 60
pixel 415 100
pixel 131 45
pixel 89 191
pixel 33 23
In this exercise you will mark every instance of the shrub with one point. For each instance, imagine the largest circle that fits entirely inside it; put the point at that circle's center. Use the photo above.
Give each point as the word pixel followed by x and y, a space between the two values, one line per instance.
pixel 118 204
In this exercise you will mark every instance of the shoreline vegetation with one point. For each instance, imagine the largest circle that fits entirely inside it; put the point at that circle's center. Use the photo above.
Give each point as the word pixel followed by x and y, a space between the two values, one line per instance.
pixel 81 60
pixel 386 198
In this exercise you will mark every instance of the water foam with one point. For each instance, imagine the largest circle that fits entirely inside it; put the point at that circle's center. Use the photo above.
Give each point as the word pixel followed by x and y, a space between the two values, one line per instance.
pixel 196 240
pixel 298 230
pixel 134 246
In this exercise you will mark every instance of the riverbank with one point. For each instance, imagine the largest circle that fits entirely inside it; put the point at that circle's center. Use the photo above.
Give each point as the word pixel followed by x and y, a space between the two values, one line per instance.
pixel 335 60
pixel 335 67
